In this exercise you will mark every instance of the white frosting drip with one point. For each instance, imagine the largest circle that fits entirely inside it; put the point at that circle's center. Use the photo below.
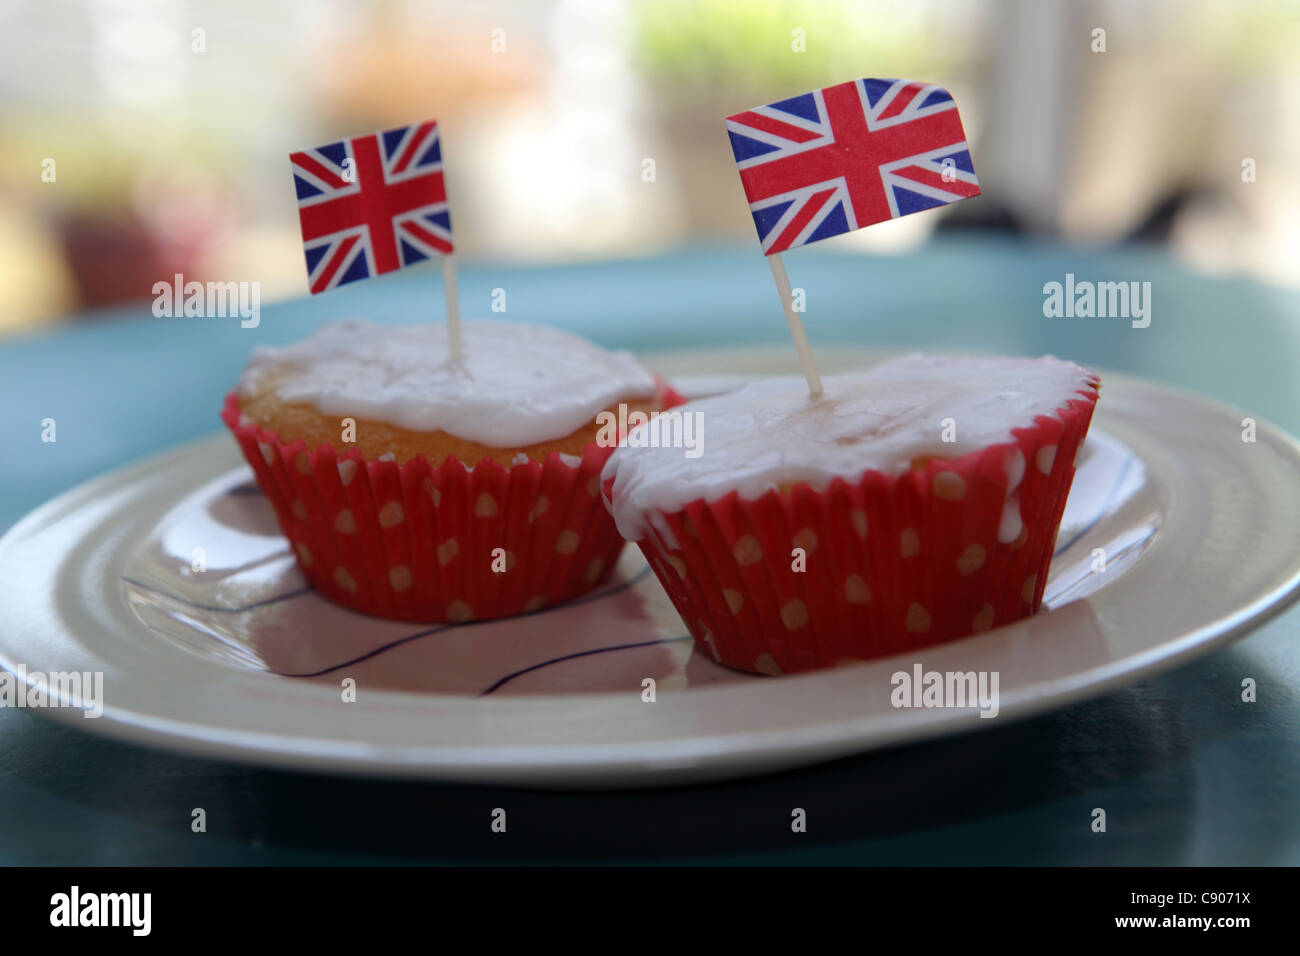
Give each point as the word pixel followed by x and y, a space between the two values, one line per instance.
pixel 514 385
pixel 773 432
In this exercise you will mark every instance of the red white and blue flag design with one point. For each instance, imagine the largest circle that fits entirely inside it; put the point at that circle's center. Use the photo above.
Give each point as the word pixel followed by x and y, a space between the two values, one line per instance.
pixel 371 204
pixel 847 156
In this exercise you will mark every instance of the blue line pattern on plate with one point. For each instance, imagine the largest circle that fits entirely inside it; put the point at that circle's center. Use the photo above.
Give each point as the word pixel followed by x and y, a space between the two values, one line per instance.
pixel 429 632
pixel 568 657
pixel 406 639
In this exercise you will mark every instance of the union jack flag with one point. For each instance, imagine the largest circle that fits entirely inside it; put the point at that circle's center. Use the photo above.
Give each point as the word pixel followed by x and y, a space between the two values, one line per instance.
pixel 371 204
pixel 847 156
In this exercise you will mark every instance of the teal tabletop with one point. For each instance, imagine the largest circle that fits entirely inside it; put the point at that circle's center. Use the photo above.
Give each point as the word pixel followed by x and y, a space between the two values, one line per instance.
pixel 1187 773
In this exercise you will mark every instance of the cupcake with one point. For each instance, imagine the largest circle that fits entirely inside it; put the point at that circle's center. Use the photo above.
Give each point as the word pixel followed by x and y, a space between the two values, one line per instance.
pixel 417 488
pixel 911 504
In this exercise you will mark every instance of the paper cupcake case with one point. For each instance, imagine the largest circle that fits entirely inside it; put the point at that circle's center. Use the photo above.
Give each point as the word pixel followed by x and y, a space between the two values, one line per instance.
pixel 416 542
pixel 892 563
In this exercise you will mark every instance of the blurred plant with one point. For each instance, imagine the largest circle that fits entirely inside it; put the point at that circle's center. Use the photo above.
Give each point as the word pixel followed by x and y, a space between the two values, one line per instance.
pixel 718 49
pixel 1249 36
pixel 125 207
pixel 396 64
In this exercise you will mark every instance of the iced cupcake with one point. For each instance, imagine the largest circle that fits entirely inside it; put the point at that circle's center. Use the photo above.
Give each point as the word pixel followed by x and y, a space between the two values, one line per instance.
pixel 911 504
pixel 414 487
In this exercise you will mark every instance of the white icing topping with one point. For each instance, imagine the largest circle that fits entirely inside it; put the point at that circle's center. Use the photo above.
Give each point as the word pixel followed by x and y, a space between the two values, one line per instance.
pixel 514 385
pixel 773 432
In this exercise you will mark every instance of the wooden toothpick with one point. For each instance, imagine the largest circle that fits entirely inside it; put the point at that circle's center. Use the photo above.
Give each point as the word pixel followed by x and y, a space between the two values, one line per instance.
pixel 796 324
pixel 453 306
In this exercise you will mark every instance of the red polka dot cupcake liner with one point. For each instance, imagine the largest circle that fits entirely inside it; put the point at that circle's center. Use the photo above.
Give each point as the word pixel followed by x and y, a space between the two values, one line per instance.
pixel 452 542
pixel 887 564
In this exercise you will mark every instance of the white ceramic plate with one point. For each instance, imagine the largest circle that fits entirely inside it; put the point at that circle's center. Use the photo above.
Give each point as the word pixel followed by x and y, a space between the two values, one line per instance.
pixel 1201 533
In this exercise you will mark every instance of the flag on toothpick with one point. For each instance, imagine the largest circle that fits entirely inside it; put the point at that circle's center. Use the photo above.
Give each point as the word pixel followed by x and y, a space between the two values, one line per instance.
pixel 848 156
pixel 371 204
pixel 374 204
pixel 840 158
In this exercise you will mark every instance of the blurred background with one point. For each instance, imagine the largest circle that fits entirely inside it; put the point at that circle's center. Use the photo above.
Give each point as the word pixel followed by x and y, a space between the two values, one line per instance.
pixel 169 123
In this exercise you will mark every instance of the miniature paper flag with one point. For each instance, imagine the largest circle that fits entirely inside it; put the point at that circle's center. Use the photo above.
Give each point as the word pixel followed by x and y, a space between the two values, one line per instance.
pixel 847 156
pixel 371 204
